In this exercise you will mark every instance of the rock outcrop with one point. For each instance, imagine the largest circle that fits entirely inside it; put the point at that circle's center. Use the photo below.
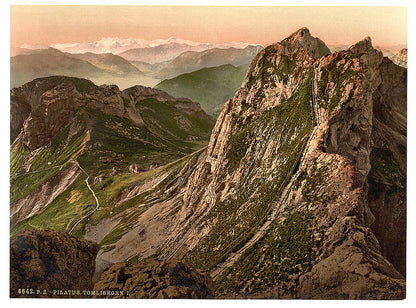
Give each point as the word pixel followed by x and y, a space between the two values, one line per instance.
pixel 154 279
pixel 50 261
pixel 355 270
pixel 400 58
pixel 303 39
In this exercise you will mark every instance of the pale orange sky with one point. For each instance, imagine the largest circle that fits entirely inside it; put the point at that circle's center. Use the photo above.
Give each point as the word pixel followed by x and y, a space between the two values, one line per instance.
pixel 45 25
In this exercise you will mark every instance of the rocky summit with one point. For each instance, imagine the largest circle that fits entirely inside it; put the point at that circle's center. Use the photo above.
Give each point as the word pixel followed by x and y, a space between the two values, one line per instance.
pixel 300 192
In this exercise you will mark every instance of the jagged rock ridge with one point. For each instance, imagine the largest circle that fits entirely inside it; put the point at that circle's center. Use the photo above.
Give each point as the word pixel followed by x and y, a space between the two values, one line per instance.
pixel 44 106
pixel 294 155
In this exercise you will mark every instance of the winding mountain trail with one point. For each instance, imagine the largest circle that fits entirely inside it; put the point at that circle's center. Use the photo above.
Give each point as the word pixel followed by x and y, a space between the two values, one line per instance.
pixel 277 206
pixel 92 192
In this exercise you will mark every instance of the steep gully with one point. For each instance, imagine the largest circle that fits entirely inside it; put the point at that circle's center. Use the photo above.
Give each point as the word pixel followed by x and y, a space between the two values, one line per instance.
pixel 276 207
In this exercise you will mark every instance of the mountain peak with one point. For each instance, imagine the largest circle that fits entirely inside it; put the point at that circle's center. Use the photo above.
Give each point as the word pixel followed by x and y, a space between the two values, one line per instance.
pixel 362 46
pixel 303 38
pixel 301 33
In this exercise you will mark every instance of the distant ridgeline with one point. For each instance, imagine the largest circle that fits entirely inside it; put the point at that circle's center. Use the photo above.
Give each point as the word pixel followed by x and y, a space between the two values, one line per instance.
pixel 211 87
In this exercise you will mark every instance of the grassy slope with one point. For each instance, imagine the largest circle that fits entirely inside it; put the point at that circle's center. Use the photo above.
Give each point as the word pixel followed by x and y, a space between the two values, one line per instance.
pixel 114 142
pixel 286 249
pixel 211 87
pixel 134 207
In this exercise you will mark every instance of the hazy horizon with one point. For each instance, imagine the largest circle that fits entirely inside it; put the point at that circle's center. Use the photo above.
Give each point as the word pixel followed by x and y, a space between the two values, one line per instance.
pixel 161 41
pixel 49 25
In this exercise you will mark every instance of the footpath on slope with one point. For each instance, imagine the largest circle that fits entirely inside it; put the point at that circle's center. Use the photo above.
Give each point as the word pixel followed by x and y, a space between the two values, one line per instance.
pixel 95 197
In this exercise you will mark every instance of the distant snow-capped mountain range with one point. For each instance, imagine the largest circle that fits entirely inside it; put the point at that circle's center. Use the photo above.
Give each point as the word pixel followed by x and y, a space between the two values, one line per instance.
pixel 117 45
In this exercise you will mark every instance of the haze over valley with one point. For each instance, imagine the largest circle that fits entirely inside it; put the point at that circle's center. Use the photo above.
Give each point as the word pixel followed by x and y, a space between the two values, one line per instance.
pixel 158 63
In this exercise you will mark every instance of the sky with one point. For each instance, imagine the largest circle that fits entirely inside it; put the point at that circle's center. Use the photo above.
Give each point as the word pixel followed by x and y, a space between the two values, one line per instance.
pixel 46 25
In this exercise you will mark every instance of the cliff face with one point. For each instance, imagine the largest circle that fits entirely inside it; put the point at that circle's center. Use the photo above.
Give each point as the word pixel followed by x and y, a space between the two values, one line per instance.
pixel 304 173
pixel 51 103
pixel 50 260
pixel 387 176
